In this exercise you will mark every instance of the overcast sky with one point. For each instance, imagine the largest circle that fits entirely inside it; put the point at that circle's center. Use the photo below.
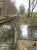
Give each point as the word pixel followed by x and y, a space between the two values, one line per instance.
pixel 25 2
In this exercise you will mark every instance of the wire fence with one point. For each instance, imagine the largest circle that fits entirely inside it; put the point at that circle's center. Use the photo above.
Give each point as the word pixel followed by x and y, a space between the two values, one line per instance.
pixel 5 48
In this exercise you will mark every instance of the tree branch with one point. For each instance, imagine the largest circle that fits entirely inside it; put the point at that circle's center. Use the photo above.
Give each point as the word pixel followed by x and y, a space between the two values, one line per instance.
pixel 32 2
pixel 34 7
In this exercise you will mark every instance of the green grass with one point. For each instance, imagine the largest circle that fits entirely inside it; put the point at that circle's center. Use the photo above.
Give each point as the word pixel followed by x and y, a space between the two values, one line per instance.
pixel 28 20
pixel 17 48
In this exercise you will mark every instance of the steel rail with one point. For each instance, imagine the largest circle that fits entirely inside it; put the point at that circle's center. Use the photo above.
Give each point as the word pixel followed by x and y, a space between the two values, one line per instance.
pixel 8 20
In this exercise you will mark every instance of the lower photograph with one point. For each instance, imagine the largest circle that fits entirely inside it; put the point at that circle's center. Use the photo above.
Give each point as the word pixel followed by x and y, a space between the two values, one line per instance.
pixel 21 37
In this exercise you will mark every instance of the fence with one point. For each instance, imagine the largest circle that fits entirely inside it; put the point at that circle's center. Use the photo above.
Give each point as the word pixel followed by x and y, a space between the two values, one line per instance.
pixel 27 45
pixel 5 47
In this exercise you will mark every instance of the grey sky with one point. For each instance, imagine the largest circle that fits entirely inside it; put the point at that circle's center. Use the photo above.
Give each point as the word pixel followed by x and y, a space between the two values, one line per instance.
pixel 25 2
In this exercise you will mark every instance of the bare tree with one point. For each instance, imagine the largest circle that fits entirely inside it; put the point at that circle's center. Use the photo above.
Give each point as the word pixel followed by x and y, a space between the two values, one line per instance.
pixel 32 5
pixel 22 9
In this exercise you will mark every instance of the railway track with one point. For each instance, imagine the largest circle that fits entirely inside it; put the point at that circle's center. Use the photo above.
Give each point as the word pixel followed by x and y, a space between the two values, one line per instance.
pixel 9 19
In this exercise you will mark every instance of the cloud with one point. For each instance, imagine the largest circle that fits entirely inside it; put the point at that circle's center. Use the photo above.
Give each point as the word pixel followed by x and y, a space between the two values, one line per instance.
pixel 25 2
pixel 19 2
